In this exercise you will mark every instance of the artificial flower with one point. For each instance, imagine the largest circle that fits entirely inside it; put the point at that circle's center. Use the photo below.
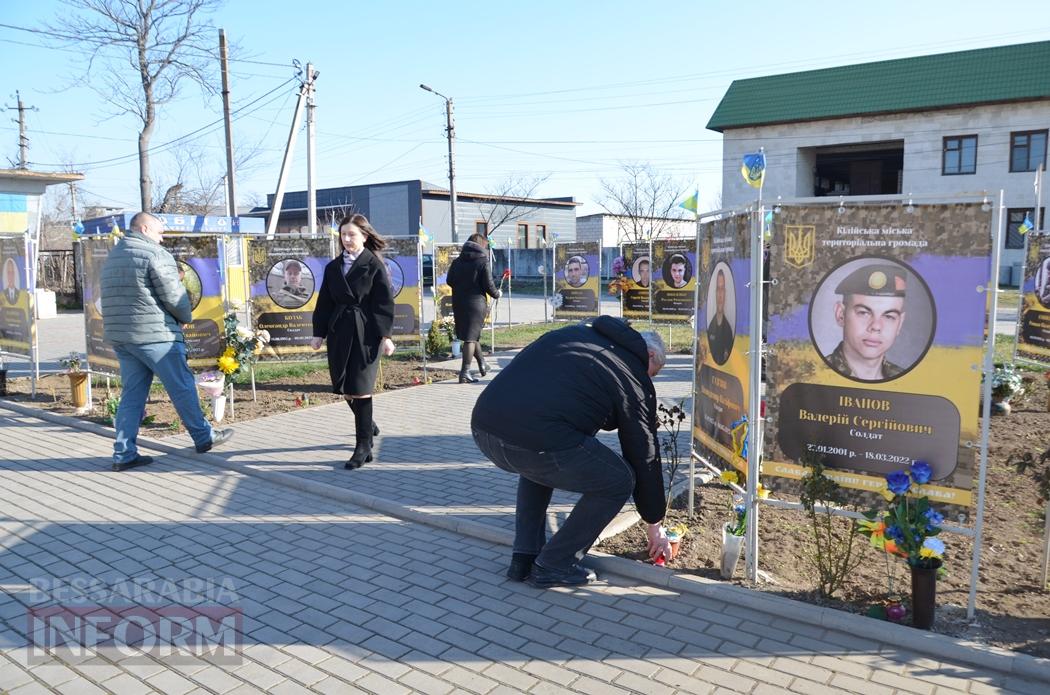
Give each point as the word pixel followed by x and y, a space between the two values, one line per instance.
pixel 730 477
pixel 763 493
pixel 898 482
pixel 894 531
pixel 890 547
pixel 933 518
pixel 920 473
pixel 228 364
pixel 934 546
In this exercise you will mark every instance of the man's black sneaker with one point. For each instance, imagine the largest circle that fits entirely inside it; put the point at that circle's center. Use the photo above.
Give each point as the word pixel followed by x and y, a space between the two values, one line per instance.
pixel 134 463
pixel 520 566
pixel 543 578
pixel 217 438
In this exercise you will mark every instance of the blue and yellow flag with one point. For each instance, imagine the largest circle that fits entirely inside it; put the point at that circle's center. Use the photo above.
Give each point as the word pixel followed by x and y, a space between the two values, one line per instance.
pixel 692 203
pixel 754 169
pixel 1027 225
pixel 424 237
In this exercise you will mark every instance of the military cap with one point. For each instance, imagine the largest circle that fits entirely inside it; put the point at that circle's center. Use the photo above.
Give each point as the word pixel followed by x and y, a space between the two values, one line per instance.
pixel 877 280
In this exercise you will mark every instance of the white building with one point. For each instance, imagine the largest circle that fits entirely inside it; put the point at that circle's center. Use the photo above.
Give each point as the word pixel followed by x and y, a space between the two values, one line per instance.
pixel 613 230
pixel 951 123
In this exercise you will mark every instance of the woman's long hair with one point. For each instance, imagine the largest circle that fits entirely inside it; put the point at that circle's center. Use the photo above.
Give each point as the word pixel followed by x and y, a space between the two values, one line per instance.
pixel 373 241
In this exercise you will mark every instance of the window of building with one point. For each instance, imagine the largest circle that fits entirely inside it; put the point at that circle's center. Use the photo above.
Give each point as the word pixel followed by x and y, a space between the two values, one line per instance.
pixel 523 236
pixel 1027 150
pixel 1014 218
pixel 541 233
pixel 960 155
pixel 481 228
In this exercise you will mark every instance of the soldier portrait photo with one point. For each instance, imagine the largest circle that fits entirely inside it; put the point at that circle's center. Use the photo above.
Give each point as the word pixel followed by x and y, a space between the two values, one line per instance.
pixel 11 285
pixel 641 272
pixel 396 275
pixel 191 281
pixel 677 271
pixel 721 313
pixel 290 283
pixel 576 271
pixel 872 319
pixel 1042 283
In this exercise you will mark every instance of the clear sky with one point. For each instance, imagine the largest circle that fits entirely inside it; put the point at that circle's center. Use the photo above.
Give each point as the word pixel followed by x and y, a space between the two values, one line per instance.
pixel 565 89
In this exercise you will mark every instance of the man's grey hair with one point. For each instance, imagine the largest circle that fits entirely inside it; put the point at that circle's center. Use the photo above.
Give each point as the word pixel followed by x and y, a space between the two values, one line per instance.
pixel 654 342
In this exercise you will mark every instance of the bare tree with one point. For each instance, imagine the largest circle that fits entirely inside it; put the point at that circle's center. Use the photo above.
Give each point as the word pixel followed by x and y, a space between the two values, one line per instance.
pixel 644 202
pixel 507 201
pixel 194 184
pixel 161 42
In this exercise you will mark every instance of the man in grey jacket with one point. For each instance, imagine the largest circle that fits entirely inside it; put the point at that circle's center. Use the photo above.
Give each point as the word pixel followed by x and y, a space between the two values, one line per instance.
pixel 143 307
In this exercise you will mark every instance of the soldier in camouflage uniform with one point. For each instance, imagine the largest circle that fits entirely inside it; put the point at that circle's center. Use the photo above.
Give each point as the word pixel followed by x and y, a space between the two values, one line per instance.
pixel 292 293
pixel 871 314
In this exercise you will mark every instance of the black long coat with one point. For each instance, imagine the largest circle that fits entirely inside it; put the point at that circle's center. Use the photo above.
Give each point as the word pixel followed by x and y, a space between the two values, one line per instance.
pixel 470 278
pixel 354 313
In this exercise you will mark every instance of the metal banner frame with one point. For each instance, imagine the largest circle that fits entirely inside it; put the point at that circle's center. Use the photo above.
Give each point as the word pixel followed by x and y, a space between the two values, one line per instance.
pixel 755 437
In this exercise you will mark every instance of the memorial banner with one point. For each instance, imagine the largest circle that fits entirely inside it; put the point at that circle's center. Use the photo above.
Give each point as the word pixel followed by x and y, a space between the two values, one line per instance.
pixel 638 269
pixel 16 309
pixel 1033 327
pixel 577 280
pixel 722 381
pixel 198 261
pixel 674 280
pixel 93 254
pixel 876 326
pixel 444 254
pixel 402 263
pixel 284 278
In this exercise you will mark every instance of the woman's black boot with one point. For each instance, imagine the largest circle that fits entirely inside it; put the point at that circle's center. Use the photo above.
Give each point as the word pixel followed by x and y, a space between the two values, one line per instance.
pixel 362 408
pixel 464 370
pixel 375 427
pixel 483 368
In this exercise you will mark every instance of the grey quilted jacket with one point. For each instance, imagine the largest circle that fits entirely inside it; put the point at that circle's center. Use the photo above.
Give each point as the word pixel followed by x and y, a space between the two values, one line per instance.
pixel 143 300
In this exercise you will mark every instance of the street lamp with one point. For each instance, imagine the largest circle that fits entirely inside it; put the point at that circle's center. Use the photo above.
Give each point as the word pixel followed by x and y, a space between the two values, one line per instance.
pixel 451 130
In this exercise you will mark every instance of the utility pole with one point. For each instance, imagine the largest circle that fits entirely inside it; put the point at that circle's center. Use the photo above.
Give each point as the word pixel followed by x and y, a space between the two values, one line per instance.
pixel 231 189
pixel 450 129
pixel 73 199
pixel 311 152
pixel 286 163
pixel 23 139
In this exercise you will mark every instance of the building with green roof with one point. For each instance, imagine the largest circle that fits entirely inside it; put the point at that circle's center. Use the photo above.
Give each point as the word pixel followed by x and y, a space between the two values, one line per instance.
pixel 945 124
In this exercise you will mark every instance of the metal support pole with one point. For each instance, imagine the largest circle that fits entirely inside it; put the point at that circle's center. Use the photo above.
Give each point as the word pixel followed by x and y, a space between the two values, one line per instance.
pixel 754 410
pixel 986 407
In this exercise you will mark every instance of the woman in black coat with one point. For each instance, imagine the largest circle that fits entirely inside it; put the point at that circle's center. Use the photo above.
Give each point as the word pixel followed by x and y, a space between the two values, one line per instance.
pixel 470 278
pixel 355 313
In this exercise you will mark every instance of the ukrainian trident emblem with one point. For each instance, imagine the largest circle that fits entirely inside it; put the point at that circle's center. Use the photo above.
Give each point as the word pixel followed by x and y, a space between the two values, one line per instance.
pixel 800 248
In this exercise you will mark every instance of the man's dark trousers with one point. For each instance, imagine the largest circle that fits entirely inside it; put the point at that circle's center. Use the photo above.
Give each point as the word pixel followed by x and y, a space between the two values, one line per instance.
pixel 601 475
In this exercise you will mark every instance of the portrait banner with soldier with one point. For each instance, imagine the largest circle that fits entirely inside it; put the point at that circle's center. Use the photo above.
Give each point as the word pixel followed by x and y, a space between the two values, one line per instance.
pixel 198 261
pixel 876 341
pixel 401 257
pixel 638 269
pixel 723 340
pixel 284 276
pixel 577 280
pixel 674 280
pixel 16 314
pixel 444 254
pixel 1033 327
pixel 94 250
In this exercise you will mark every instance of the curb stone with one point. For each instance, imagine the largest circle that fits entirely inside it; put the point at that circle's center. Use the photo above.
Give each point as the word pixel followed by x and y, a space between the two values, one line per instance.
pixel 943 646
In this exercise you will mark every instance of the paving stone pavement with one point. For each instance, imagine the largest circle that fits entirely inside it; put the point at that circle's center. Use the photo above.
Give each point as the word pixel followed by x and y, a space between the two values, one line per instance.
pixel 425 456
pixel 339 599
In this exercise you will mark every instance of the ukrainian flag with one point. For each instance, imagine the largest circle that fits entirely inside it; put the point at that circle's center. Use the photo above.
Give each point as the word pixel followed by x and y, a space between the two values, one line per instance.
pixel 692 202
pixel 424 237
pixel 754 169
pixel 1027 225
